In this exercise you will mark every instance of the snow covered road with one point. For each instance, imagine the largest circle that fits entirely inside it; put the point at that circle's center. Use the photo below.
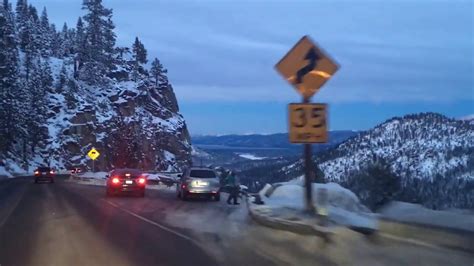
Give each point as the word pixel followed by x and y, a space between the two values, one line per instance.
pixel 74 224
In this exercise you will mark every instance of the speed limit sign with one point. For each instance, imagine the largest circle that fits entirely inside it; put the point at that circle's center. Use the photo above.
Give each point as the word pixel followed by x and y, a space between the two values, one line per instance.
pixel 307 123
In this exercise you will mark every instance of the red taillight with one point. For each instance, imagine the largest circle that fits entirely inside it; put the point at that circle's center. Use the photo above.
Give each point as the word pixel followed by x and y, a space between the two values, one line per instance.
pixel 141 180
pixel 51 172
pixel 115 180
pixel 37 172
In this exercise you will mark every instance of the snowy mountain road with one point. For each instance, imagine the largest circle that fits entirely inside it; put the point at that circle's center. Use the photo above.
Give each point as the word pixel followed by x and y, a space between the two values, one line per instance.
pixel 74 224
pixel 51 226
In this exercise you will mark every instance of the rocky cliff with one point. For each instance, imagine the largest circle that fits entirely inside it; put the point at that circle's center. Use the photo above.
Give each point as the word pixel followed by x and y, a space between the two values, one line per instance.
pixel 65 92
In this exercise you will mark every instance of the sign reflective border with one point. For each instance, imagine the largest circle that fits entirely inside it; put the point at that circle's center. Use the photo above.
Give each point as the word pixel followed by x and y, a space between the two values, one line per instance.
pixel 307 123
pixel 307 67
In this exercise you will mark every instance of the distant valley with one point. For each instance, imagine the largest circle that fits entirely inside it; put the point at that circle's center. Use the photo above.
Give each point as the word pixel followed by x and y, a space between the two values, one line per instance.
pixel 247 151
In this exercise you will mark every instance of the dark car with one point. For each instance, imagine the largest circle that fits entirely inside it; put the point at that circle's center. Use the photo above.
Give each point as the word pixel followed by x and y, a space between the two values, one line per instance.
pixel 120 181
pixel 44 173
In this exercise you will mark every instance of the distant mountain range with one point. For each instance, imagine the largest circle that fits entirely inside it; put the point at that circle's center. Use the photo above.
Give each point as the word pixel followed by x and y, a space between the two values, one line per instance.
pixel 431 156
pixel 242 152
pixel 279 140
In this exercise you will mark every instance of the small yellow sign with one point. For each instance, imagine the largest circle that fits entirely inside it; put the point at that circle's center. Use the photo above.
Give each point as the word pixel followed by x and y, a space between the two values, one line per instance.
pixel 93 154
pixel 307 123
pixel 307 67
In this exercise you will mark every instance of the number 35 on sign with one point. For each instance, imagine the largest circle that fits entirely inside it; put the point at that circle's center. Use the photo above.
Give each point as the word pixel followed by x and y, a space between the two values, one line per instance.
pixel 307 123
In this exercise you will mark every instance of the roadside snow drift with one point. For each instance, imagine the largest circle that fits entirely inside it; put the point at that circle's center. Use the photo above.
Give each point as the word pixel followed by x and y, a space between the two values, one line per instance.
pixel 414 213
pixel 344 208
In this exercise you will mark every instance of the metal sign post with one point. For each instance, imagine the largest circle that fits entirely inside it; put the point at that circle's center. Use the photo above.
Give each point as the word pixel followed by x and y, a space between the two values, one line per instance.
pixel 93 154
pixel 307 67
pixel 308 153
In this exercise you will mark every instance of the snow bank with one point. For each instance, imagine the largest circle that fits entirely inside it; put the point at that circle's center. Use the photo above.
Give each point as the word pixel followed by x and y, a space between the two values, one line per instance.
pixel 11 169
pixel 4 172
pixel 160 176
pixel 343 208
pixel 154 177
pixel 415 213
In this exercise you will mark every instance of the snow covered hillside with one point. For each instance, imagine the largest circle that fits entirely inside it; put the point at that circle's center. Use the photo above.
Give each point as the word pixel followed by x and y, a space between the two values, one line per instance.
pixel 422 146
pixel 422 158
pixel 64 92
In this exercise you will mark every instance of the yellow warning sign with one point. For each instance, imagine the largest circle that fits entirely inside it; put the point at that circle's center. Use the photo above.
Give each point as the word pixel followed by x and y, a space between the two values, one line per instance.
pixel 93 154
pixel 307 67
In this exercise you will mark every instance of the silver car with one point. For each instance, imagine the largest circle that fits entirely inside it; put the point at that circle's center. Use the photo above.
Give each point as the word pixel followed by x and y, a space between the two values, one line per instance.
pixel 198 181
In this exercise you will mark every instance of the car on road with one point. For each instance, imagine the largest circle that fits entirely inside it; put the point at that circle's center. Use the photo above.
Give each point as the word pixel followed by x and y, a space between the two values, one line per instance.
pixel 126 181
pixel 75 170
pixel 198 182
pixel 44 173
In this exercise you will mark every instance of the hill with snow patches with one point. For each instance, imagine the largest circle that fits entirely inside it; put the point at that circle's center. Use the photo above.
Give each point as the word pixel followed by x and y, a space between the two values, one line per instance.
pixel 66 91
pixel 428 157
pixel 424 146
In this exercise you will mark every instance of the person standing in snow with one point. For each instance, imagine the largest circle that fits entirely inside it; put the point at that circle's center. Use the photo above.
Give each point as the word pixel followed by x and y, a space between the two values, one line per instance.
pixel 232 182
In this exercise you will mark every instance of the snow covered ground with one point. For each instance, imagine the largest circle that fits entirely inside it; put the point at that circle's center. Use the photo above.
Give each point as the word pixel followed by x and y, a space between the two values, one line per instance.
pixel 12 169
pixel 3 172
pixel 415 213
pixel 228 233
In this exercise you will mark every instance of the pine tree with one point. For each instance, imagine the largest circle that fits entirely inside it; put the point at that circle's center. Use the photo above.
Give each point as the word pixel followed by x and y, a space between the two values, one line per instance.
pixel 38 84
pixel 56 42
pixel 8 7
pixel 71 48
pixel 65 43
pixel 9 101
pixel 30 39
pixel 139 52
pixel 109 41
pixel 21 17
pixel 45 34
pixel 44 20
pixel 33 13
pixel 46 77
pixel 28 49
pixel 79 46
pixel 158 72
pixel 99 42
pixel 139 57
